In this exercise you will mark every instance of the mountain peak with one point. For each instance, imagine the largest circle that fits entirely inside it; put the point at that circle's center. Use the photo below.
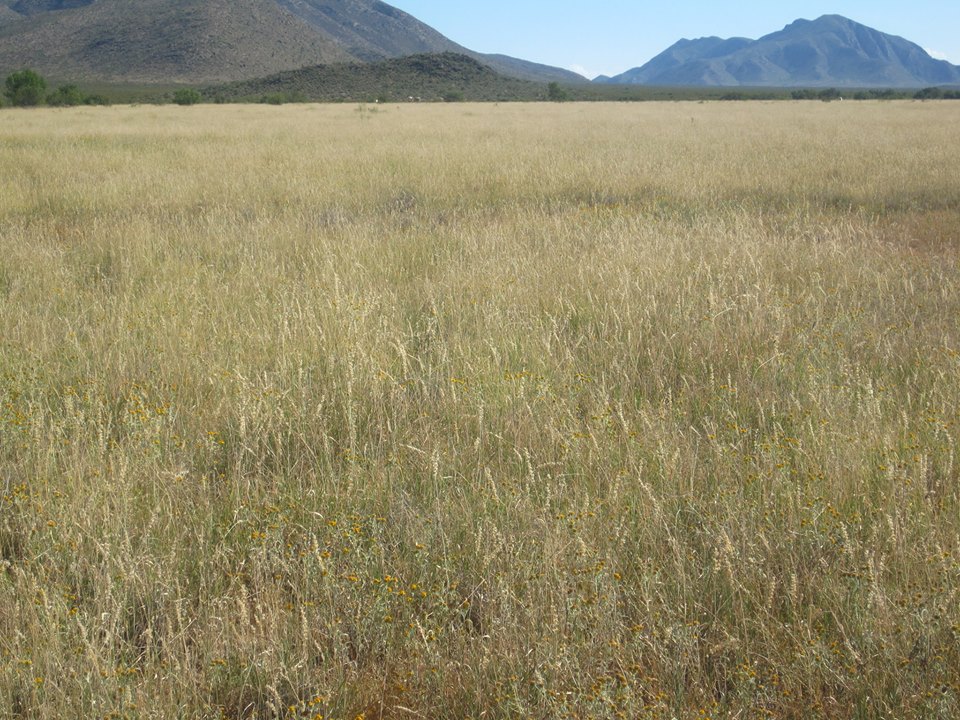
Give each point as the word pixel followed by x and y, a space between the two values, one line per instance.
pixel 831 51
pixel 823 21
pixel 834 18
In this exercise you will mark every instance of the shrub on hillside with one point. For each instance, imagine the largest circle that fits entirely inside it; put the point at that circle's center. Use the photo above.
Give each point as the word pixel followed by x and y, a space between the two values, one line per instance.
pixel 25 88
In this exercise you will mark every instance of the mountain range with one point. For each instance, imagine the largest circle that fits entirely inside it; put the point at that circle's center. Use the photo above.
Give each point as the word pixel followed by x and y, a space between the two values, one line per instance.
pixel 830 51
pixel 218 41
pixel 198 41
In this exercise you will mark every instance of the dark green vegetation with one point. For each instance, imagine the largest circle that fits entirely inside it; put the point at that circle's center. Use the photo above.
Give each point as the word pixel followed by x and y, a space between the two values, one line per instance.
pixel 427 78
pixel 25 88
pixel 831 51
pixel 187 96
pixel 644 93
pixel 445 77
pixel 70 96
pixel 206 41
pixel 555 93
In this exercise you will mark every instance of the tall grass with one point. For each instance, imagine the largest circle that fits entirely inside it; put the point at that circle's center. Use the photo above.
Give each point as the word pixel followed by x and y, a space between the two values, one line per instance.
pixel 480 411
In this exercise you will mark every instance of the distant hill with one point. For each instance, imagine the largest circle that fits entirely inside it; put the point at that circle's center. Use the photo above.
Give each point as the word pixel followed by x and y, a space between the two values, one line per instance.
pixel 831 51
pixel 422 77
pixel 197 41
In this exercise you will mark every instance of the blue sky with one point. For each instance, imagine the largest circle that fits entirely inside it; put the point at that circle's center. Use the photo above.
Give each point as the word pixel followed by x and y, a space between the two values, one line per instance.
pixel 611 36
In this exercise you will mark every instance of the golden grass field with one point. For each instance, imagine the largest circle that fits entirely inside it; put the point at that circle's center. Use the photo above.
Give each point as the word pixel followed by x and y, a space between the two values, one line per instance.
pixel 477 411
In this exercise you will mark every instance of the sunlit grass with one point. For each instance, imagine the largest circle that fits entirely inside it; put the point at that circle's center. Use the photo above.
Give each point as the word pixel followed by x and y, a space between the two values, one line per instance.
pixel 586 411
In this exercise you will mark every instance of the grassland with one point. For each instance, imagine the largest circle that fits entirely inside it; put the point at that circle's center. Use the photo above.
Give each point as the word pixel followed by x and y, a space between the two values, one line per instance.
pixel 457 411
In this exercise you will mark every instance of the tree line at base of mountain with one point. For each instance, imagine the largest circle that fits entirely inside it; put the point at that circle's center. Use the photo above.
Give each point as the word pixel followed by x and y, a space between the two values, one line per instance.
pixel 445 77
pixel 832 94
pixel 930 93
pixel 27 88
pixel 556 92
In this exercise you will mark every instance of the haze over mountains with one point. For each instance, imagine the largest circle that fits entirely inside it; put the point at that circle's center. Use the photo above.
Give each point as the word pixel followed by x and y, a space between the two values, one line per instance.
pixel 831 51
pixel 191 41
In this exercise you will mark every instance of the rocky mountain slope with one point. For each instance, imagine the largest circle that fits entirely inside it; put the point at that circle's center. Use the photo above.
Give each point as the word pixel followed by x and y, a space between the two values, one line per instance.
pixel 195 41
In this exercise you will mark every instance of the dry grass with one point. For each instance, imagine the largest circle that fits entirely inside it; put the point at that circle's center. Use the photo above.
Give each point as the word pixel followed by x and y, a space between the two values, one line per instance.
pixel 472 411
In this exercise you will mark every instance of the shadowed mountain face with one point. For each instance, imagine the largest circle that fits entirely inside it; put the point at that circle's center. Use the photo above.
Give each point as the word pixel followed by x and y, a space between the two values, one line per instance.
pixel 215 40
pixel 831 51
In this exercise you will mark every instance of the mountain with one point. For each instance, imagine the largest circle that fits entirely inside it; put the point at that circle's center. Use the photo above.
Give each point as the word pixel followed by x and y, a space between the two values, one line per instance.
pixel 194 41
pixel 372 30
pixel 428 77
pixel 170 41
pixel 831 51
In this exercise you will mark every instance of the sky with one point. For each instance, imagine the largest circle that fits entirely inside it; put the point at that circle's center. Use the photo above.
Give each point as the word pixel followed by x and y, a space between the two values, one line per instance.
pixel 611 36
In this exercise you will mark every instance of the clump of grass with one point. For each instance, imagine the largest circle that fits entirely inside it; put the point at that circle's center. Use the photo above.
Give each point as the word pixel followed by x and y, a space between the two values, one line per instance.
pixel 577 411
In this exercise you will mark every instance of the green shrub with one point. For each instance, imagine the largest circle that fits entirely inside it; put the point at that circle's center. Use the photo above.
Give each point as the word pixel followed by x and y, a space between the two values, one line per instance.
pixel 887 94
pixel 66 96
pixel 929 93
pixel 187 96
pixel 555 93
pixel 25 88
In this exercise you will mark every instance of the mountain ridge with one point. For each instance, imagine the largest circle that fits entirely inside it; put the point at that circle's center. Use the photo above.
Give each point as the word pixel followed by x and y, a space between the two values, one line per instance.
pixel 830 51
pixel 203 41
